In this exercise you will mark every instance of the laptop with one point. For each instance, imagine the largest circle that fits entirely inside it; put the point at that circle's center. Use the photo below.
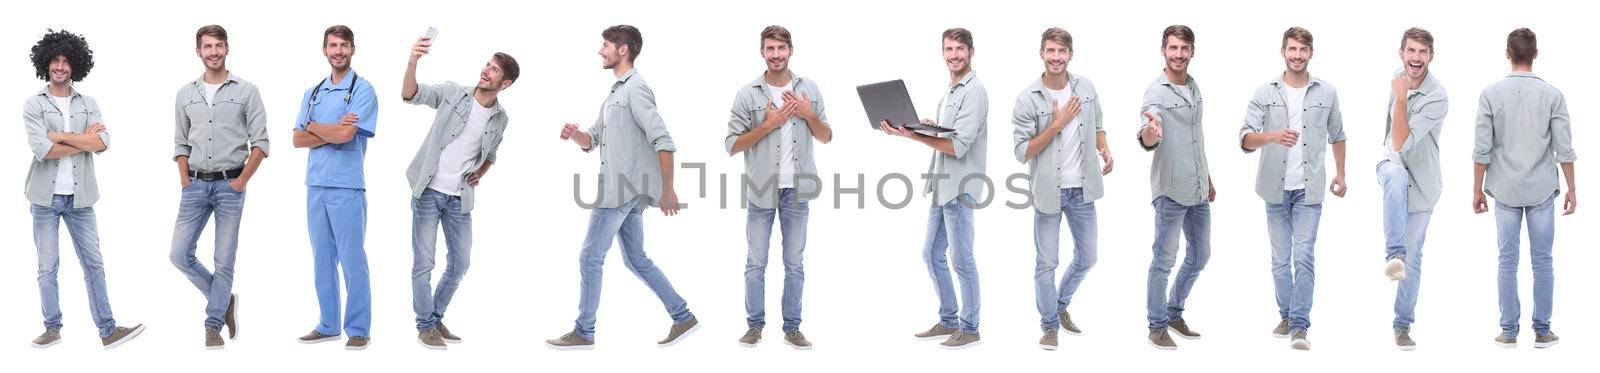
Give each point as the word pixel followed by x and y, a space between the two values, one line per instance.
pixel 889 101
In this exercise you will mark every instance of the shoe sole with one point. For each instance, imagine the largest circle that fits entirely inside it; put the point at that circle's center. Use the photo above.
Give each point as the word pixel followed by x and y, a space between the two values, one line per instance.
pixel 1406 348
pixel 1069 332
pixel 319 340
pixel 1280 336
pixel 1504 345
pixel 451 341
pixel 135 333
pixel 355 348
pixel 1181 335
pixel 233 330
pixel 1300 344
pixel 431 347
pixel 569 348
pixel 1047 347
pixel 46 345
pixel 1546 344
pixel 680 337
pixel 1160 347
pixel 952 348
pixel 214 348
pixel 797 347
pixel 934 337
pixel 748 345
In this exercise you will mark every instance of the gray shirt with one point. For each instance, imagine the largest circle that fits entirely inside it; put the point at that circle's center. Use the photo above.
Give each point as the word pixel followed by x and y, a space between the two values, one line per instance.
pixel 218 136
pixel 1179 170
pixel 1033 114
pixel 40 117
pixel 1523 130
pixel 1268 111
pixel 454 103
pixel 1425 110
pixel 761 161
pixel 965 109
pixel 628 134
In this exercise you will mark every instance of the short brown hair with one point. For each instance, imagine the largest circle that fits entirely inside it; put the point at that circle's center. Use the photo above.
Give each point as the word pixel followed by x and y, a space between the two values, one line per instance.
pixel 1523 46
pixel 625 35
pixel 1299 34
pixel 778 33
pixel 1058 35
pixel 1420 35
pixel 1180 31
pixel 508 66
pixel 960 35
pixel 214 31
pixel 340 31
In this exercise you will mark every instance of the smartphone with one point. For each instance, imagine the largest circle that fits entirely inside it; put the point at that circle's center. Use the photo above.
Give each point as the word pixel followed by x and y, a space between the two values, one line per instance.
pixel 432 33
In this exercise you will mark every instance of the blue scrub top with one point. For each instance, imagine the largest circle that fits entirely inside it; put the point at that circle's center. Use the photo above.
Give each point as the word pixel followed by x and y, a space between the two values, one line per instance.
pixel 339 165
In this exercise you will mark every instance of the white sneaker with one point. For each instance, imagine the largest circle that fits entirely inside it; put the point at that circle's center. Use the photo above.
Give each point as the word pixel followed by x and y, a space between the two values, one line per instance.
pixel 1396 269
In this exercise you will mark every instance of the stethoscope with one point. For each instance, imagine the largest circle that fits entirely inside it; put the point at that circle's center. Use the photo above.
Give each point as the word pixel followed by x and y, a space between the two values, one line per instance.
pixel 317 91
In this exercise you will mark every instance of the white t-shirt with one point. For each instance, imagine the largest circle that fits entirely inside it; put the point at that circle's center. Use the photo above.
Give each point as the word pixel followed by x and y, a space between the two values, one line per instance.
pixel 1071 151
pixel 64 183
pixel 785 137
pixel 1294 176
pixel 211 92
pixel 1183 90
pixel 459 154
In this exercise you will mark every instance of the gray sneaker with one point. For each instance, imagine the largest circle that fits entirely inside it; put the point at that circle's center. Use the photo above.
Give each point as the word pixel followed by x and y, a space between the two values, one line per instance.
pixel 1402 340
pixel 445 334
pixel 1505 341
pixel 569 341
pixel 797 340
pixel 213 339
pixel 1282 331
pixel 1048 341
pixel 1546 340
pixel 431 340
pixel 1182 328
pixel 50 338
pixel 230 317
pixel 1161 340
pixel 961 340
pixel 1067 325
pixel 751 337
pixel 316 337
pixel 678 332
pixel 357 343
pixel 937 332
pixel 1298 341
pixel 1395 268
pixel 121 335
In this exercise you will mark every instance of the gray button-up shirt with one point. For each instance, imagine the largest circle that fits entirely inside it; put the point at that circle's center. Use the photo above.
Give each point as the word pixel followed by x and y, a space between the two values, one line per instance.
pixel 965 109
pixel 1033 114
pixel 761 161
pixel 1179 170
pixel 218 136
pixel 1522 132
pixel 1268 111
pixel 40 117
pixel 628 134
pixel 1425 110
pixel 454 104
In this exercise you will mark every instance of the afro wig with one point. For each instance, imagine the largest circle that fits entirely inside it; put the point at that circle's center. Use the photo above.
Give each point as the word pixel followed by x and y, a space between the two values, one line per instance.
pixel 62 43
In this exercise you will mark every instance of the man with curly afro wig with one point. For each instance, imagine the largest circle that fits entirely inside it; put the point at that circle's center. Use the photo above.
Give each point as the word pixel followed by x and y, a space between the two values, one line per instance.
pixel 64 133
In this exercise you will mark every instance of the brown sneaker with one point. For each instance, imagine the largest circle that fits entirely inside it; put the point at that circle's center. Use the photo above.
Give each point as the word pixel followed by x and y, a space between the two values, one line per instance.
pixel 937 332
pixel 678 332
pixel 1402 340
pixel 751 337
pixel 316 337
pixel 50 338
pixel 445 334
pixel 1161 340
pixel 569 341
pixel 120 335
pixel 357 343
pixel 1067 325
pixel 1298 341
pixel 1048 341
pixel 1506 342
pixel 230 318
pixel 213 339
pixel 1182 328
pixel 1546 340
pixel 1282 331
pixel 431 340
pixel 961 340
pixel 797 340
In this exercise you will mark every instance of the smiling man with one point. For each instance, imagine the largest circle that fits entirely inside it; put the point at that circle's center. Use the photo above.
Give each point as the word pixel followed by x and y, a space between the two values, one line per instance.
pixel 1408 173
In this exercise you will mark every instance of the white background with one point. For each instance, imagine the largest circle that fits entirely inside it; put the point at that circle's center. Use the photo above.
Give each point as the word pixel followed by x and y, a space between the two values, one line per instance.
pixel 868 290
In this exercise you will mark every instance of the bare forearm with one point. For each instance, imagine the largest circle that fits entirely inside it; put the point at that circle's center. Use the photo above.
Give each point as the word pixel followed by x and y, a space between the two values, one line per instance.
pixel 251 164
pixel 749 139
pixel 89 142
pixel 1040 141
pixel 1567 169
pixel 1338 158
pixel 1400 128
pixel 583 140
pixel 59 150
pixel 332 133
pixel 667 166
pixel 943 145
pixel 1478 169
pixel 820 130
pixel 307 139
pixel 1255 141
pixel 408 89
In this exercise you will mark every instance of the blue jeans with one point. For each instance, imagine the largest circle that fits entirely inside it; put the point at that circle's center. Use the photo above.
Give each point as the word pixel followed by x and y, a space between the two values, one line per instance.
pixel 86 242
pixel 1541 236
pixel 793 214
pixel 1403 233
pixel 1292 228
pixel 201 200
pixel 950 227
pixel 427 214
pixel 1195 223
pixel 337 219
pixel 1047 241
pixel 625 224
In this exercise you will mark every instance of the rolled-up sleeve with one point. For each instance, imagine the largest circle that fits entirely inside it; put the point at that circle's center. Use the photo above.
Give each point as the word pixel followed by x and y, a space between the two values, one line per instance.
pixel 1152 106
pixel 38 136
pixel 1428 116
pixel 739 121
pixel 1483 131
pixel 494 148
pixel 642 104
pixel 1561 132
pixel 95 117
pixel 1335 119
pixel 969 120
pixel 1024 126
pixel 1255 115
pixel 180 138
pixel 256 123
pixel 427 95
